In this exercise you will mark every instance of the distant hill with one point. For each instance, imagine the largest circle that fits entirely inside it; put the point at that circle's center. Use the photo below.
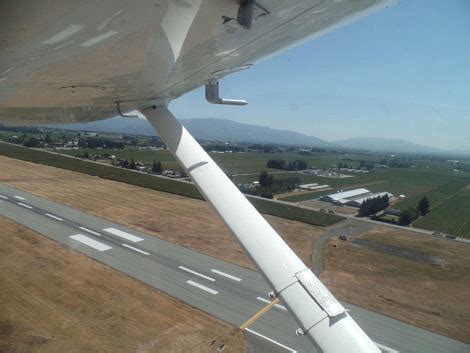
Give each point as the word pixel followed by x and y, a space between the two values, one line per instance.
pixel 384 145
pixel 232 131
pixel 209 129
pixel 228 130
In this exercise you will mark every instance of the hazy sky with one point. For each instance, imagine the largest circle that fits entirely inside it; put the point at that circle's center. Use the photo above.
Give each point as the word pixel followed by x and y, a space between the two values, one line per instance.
pixel 403 72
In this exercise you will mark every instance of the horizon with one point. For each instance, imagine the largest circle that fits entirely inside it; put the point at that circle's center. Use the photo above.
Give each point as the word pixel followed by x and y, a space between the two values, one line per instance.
pixel 89 127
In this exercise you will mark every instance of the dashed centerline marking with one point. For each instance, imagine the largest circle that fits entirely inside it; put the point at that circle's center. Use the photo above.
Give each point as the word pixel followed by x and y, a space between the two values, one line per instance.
pixel 123 234
pixel 24 205
pixel 90 242
pixel 90 231
pixel 196 273
pixel 19 197
pixel 55 217
pixel 135 249
pixel 204 288
pixel 279 306
pixel 271 340
pixel 226 275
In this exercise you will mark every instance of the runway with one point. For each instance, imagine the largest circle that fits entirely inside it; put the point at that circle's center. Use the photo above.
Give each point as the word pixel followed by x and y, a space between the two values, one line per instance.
pixel 226 291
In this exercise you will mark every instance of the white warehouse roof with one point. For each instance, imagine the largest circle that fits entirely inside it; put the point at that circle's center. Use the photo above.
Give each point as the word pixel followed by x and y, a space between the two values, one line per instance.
pixel 359 202
pixel 350 193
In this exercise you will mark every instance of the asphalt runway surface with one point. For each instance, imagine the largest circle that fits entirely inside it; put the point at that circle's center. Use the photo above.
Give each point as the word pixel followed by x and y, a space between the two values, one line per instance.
pixel 226 291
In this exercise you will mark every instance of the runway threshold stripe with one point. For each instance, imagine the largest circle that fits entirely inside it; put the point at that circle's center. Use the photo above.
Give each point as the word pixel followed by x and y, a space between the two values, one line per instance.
pixel 196 273
pixel 90 231
pixel 204 288
pixel 123 234
pixel 271 340
pixel 135 249
pixel 226 275
pixel 55 217
pixel 24 205
pixel 19 198
pixel 279 306
pixel 90 242
pixel 3 197
pixel 386 349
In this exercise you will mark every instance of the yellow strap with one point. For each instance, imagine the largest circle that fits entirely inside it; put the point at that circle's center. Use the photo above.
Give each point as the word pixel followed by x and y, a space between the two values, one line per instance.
pixel 258 314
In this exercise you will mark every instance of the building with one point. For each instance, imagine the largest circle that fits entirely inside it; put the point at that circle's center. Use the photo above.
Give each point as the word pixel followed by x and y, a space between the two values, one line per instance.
pixel 345 196
pixel 353 197
pixel 357 202
pixel 313 186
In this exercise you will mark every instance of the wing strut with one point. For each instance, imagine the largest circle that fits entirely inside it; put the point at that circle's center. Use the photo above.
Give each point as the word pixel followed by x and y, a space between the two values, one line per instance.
pixel 320 316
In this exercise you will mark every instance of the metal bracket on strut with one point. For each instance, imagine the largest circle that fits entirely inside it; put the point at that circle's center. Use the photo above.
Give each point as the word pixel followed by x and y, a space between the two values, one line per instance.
pixel 118 107
pixel 212 94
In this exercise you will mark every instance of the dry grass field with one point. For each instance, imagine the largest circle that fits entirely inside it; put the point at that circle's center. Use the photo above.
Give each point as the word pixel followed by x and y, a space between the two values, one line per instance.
pixel 180 220
pixel 53 299
pixel 432 297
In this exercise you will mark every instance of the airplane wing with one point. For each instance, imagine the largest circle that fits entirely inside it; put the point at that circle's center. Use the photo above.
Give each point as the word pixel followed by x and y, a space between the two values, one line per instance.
pixel 74 61
pixel 68 61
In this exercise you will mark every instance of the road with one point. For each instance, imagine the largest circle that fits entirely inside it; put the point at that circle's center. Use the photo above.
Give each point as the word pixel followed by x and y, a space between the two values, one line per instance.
pixel 226 291
pixel 349 227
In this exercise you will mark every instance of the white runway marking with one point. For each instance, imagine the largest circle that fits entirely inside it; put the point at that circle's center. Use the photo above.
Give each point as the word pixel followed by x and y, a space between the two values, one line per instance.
pixel 196 273
pixel 66 33
pixel 3 197
pixel 106 21
pixel 279 306
pixel 90 231
pixel 24 205
pixel 200 286
pixel 55 217
pixel 95 40
pixel 271 340
pixel 66 44
pixel 135 249
pixel 124 235
pixel 90 242
pixel 19 198
pixel 385 348
pixel 226 275
pixel 7 71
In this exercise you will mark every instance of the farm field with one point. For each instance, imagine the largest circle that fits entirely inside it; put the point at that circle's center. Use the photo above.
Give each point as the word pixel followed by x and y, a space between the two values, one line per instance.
pixel 157 183
pixel 452 215
pixel 234 163
pixel 435 179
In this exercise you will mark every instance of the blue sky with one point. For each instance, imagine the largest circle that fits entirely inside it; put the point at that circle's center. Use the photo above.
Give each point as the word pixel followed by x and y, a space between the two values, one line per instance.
pixel 403 72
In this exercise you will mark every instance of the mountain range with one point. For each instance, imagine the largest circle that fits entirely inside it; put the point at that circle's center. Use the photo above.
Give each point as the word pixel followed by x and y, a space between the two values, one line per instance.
pixel 231 131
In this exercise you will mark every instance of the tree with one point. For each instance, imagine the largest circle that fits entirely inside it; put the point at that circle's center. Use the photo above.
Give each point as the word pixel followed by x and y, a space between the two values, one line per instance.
pixel 31 141
pixel 408 216
pixel 157 167
pixel 276 164
pixel 405 218
pixel 264 179
pixel 374 205
pixel 48 139
pixel 423 206
pixel 132 164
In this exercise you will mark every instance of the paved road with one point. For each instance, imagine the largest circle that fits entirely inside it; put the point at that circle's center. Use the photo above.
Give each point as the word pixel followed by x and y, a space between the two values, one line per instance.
pixel 228 292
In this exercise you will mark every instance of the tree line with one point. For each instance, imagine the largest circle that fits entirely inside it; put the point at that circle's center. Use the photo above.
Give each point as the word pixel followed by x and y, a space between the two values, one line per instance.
pixel 373 205
pixel 282 164
pixel 411 214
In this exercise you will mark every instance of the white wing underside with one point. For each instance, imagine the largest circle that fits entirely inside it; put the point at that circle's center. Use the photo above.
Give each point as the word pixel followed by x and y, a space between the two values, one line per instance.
pixel 68 61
